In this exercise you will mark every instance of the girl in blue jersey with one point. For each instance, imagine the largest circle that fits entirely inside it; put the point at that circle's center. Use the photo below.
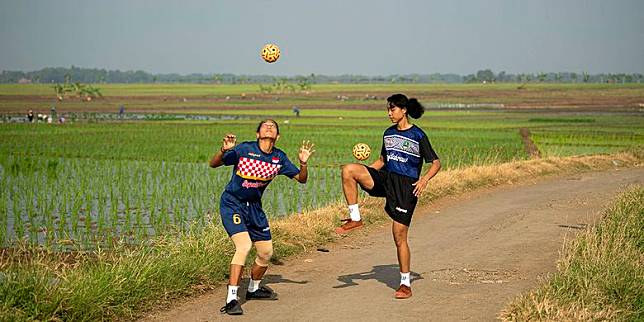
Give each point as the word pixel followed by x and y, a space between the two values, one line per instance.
pixel 396 175
pixel 256 164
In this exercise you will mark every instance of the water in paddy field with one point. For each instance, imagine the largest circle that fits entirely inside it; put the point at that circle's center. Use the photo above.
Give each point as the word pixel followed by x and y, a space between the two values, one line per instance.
pixel 84 202
pixel 72 116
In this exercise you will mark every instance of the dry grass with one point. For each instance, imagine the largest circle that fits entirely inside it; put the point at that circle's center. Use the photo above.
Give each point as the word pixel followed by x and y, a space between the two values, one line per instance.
pixel 542 306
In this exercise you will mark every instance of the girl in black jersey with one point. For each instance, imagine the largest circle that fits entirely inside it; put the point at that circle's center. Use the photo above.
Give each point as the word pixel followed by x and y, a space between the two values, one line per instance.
pixel 396 175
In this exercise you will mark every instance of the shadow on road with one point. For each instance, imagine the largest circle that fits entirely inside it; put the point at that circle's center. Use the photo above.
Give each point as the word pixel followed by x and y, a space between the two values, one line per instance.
pixel 277 279
pixel 386 274
pixel 268 279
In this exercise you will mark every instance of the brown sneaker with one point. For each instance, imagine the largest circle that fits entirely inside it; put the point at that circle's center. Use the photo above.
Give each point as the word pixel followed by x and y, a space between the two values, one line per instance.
pixel 403 292
pixel 348 226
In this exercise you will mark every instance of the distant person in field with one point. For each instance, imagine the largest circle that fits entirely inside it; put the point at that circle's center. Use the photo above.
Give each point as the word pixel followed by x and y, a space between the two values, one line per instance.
pixel 256 164
pixel 121 111
pixel 396 176
pixel 30 116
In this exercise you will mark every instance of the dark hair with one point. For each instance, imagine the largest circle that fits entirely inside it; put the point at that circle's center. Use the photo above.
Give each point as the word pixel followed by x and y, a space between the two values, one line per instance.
pixel 412 105
pixel 277 127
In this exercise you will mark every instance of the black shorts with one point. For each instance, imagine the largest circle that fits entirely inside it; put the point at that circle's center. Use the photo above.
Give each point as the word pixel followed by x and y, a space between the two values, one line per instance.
pixel 397 190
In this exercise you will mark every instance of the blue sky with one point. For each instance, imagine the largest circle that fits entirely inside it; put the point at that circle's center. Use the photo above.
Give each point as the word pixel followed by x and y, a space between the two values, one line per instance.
pixel 325 37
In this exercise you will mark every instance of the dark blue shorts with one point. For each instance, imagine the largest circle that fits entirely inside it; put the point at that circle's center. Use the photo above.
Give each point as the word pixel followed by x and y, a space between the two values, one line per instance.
pixel 238 216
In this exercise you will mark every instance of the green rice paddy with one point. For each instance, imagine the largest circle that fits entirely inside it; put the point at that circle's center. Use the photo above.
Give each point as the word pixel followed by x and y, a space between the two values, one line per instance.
pixel 93 181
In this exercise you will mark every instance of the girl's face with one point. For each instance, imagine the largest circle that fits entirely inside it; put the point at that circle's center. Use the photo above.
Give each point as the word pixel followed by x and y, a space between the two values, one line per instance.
pixel 268 130
pixel 396 113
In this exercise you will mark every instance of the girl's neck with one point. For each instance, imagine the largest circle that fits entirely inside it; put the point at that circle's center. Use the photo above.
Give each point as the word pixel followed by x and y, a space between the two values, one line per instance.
pixel 266 145
pixel 403 124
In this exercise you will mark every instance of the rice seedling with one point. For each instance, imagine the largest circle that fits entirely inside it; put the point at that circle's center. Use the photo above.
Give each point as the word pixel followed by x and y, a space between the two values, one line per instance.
pixel 138 180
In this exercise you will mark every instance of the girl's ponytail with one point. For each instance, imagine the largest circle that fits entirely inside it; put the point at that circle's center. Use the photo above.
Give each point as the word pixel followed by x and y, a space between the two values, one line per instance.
pixel 414 108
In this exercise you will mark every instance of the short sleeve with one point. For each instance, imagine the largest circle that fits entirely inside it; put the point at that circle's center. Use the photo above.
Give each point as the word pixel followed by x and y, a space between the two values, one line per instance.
pixel 231 157
pixel 288 169
pixel 383 150
pixel 426 150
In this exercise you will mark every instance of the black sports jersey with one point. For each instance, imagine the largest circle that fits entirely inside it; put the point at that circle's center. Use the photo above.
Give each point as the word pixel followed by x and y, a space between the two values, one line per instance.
pixel 403 151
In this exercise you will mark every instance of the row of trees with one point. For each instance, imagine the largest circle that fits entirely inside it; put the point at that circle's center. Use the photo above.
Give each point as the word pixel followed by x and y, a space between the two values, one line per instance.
pixel 89 75
pixel 488 75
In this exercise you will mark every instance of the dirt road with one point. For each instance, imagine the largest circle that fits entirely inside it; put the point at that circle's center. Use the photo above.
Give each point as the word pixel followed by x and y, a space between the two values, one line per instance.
pixel 470 256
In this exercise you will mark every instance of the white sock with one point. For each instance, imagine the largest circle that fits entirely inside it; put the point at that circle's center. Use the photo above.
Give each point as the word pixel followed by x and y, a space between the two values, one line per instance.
pixel 232 293
pixel 404 279
pixel 253 285
pixel 354 212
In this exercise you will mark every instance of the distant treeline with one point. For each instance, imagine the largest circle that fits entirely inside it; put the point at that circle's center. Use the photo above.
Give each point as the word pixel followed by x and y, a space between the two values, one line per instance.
pixel 93 75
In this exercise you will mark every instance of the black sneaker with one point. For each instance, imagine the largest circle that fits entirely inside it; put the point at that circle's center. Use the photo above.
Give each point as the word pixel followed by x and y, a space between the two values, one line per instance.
pixel 232 308
pixel 262 293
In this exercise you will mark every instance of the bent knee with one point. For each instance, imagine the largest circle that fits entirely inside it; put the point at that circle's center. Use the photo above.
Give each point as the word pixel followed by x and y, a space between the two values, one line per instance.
pixel 348 170
pixel 242 248
pixel 264 253
pixel 240 255
pixel 345 170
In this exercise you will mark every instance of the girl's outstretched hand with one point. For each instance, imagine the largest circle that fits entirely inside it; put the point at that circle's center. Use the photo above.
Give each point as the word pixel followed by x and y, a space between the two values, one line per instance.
pixel 306 150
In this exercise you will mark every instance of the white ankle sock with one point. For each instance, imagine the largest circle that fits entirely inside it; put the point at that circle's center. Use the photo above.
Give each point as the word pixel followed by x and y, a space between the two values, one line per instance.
pixel 354 212
pixel 253 285
pixel 232 293
pixel 404 279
